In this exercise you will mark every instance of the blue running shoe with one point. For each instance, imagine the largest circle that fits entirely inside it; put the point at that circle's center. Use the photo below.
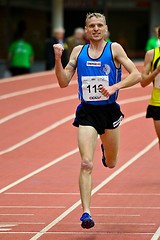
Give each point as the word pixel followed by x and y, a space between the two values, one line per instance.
pixel 87 221
pixel 103 156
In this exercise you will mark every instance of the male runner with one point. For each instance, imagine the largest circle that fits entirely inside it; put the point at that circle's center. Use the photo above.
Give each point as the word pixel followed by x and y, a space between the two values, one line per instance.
pixel 98 67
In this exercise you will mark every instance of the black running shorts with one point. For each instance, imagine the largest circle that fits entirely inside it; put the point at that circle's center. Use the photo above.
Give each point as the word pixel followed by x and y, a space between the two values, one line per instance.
pixel 100 117
pixel 153 112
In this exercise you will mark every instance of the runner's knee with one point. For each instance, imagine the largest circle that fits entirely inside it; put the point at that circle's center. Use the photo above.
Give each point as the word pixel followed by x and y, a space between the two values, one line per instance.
pixel 86 165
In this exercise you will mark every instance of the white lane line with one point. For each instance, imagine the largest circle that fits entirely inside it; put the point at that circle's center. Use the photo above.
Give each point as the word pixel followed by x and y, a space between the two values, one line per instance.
pixel 22 223
pixel 27 76
pixel 124 207
pixel 115 223
pixel 39 170
pixel 37 106
pixel 26 91
pixel 32 90
pixel 84 233
pixel 35 207
pixel 96 189
pixel 16 214
pixel 117 215
pixel 38 134
pixel 77 193
pixel 135 99
pixel 156 236
pixel 9 224
pixel 40 193
pixel 5 229
pixel 129 194
pixel 63 99
pixel 128 223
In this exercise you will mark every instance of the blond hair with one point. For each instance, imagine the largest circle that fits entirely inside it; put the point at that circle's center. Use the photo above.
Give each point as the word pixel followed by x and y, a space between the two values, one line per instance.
pixel 95 14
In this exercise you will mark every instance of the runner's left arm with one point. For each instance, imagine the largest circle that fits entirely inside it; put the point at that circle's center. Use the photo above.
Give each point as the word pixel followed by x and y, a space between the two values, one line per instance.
pixel 134 76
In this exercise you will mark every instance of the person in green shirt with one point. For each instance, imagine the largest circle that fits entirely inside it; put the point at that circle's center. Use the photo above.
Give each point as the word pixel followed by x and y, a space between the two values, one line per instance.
pixel 20 55
pixel 153 42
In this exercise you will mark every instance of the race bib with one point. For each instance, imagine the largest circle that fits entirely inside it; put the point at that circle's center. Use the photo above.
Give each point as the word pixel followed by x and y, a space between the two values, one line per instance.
pixel 90 85
pixel 157 81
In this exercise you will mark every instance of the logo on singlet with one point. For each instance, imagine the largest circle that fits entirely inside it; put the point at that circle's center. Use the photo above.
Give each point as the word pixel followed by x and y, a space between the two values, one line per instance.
pixel 106 69
pixel 93 64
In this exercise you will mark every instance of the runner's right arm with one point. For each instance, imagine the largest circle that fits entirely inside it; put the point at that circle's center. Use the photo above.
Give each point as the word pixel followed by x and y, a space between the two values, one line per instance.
pixel 64 75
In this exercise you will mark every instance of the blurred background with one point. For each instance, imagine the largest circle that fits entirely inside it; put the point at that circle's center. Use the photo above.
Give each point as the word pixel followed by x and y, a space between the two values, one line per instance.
pixel 130 23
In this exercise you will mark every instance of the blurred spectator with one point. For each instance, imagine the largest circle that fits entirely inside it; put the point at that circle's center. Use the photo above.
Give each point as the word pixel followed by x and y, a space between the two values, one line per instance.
pixel 58 37
pixel 76 39
pixel 20 53
pixel 153 42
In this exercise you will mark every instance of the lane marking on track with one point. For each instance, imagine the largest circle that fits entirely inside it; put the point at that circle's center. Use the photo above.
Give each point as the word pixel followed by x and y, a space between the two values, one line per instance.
pixel 117 215
pixel 39 170
pixel 124 207
pixel 36 207
pixel 5 229
pixel 31 90
pixel 26 91
pixel 96 189
pixel 115 223
pixel 38 134
pixel 16 214
pixel 21 223
pixel 27 76
pixel 156 236
pixel 77 193
pixel 37 106
pixel 129 194
pixel 59 100
pixel 84 233
pixel 42 193
pixel 7 225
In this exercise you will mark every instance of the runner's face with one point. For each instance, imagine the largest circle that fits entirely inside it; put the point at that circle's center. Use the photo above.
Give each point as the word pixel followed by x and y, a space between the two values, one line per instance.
pixel 96 28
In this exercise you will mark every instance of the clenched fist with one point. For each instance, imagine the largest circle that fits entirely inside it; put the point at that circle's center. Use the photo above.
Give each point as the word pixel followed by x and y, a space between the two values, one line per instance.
pixel 58 49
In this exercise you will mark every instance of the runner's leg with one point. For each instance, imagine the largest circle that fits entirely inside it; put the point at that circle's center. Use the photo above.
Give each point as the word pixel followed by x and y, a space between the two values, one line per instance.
pixel 157 128
pixel 87 138
pixel 110 141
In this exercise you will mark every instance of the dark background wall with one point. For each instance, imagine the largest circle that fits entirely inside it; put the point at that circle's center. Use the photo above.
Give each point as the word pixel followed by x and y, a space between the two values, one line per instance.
pixel 128 26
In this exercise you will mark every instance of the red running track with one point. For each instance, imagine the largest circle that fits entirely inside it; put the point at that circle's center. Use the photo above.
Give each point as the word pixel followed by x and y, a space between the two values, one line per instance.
pixel 39 195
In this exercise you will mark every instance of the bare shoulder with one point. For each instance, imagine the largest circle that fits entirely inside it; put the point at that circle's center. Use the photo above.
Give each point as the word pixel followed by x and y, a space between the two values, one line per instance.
pixel 118 51
pixel 119 55
pixel 74 55
pixel 76 50
pixel 149 55
pixel 116 47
